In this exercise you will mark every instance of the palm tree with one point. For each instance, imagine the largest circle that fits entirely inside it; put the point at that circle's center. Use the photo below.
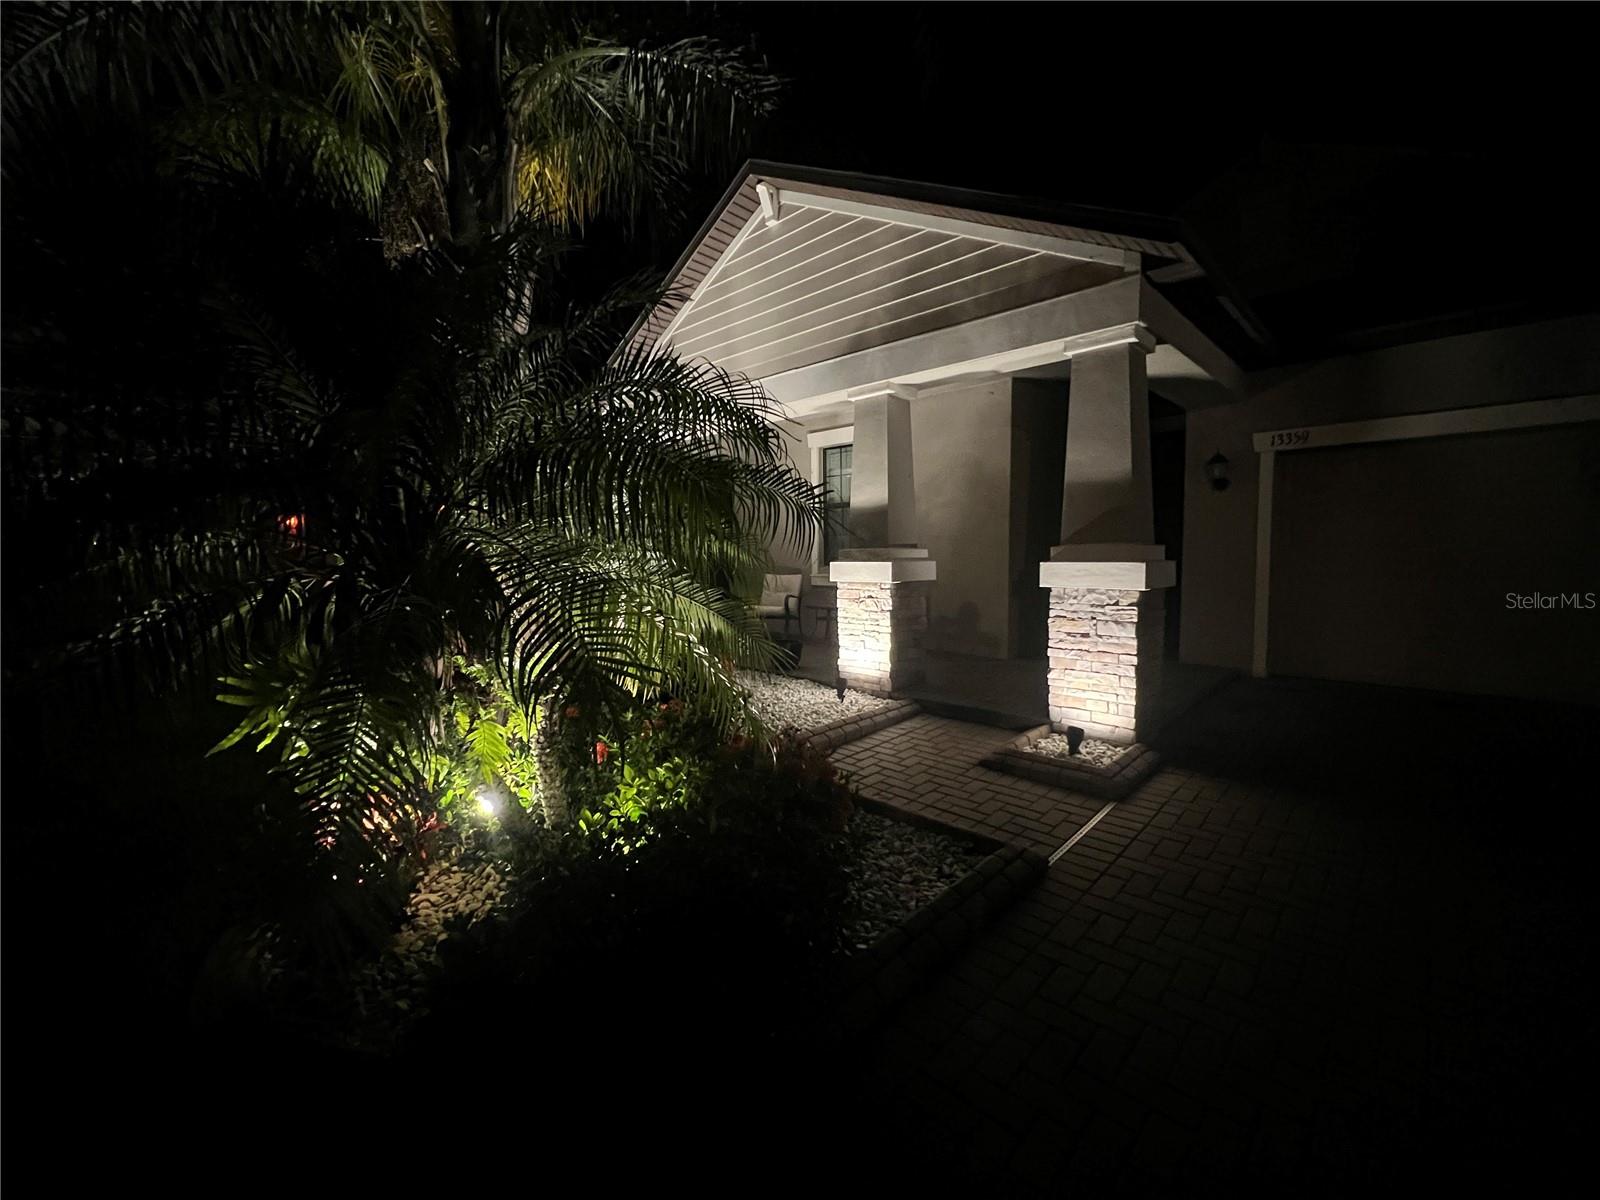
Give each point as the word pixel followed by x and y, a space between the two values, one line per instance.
pixel 360 465
pixel 451 118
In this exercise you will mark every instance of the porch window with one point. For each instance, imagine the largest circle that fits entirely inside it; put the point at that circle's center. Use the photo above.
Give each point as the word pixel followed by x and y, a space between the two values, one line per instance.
pixel 836 484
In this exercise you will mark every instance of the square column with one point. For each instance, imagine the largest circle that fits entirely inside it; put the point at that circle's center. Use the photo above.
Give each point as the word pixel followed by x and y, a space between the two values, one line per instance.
pixel 885 580
pixel 883 617
pixel 1107 628
pixel 1106 494
pixel 883 496
pixel 1107 635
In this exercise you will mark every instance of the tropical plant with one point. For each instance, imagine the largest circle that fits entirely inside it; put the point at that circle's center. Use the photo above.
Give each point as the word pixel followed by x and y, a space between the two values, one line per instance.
pixel 706 919
pixel 485 752
pixel 449 118
pixel 348 471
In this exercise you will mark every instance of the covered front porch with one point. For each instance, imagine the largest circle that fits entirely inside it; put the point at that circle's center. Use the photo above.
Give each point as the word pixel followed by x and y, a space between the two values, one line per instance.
pixel 973 390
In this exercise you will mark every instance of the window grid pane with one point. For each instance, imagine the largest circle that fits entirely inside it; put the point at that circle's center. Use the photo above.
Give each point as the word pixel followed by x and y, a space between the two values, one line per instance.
pixel 836 480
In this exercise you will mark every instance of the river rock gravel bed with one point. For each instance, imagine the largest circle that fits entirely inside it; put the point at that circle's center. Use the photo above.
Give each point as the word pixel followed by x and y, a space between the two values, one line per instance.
pixel 784 700
pixel 895 869
pixel 1092 751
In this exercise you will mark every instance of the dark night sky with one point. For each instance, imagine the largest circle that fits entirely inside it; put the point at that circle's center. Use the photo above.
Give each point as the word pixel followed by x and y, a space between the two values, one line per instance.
pixel 1350 166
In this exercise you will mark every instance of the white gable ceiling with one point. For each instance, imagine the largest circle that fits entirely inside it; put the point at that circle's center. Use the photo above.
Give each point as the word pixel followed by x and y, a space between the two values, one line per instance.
pixel 789 274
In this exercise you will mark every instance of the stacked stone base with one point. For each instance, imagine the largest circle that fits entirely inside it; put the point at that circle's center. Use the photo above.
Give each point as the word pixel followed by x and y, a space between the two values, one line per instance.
pixel 1106 647
pixel 881 632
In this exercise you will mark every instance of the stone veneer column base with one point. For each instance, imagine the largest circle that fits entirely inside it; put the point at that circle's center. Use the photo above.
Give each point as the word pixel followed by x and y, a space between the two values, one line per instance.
pixel 1106 646
pixel 881 628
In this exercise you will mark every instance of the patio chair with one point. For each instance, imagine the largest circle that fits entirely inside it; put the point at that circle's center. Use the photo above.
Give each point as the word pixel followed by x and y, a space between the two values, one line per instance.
pixel 780 601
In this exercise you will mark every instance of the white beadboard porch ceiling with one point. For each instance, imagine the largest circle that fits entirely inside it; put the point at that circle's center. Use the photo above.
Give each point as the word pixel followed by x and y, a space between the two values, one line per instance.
pixel 842 270
pixel 821 283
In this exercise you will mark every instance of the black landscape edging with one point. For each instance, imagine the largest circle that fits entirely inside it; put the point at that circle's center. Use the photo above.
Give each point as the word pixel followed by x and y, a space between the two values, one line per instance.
pixel 1111 782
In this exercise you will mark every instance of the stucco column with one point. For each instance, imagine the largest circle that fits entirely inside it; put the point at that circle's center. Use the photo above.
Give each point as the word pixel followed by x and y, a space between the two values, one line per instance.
pixel 883 582
pixel 1107 609
pixel 1106 495
pixel 883 490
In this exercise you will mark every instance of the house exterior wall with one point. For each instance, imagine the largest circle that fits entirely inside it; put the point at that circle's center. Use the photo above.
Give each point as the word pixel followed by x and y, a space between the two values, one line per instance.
pixel 1038 464
pixel 961 445
pixel 1219 541
pixel 1557 358
pixel 987 465
pixel 795 551
pixel 985 493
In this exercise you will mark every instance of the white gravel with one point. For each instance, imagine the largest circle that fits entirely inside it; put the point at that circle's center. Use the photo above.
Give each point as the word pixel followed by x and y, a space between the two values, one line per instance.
pixel 895 869
pixel 781 700
pixel 1092 751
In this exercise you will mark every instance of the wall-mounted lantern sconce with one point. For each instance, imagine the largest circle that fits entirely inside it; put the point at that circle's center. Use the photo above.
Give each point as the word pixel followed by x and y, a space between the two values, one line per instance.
pixel 1217 471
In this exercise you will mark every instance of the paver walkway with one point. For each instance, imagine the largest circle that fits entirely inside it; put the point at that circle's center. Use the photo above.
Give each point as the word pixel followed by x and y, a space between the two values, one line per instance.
pixel 929 765
pixel 1293 958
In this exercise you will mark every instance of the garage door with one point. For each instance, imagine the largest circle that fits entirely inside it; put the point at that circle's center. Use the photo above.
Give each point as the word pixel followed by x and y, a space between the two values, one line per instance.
pixel 1392 563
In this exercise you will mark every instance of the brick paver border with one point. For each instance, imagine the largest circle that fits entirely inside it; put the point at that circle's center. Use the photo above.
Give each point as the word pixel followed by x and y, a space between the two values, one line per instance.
pixel 1110 782
pixel 894 965
pixel 849 729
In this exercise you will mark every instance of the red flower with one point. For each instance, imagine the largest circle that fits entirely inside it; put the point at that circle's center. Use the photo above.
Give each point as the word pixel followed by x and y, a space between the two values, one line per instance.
pixel 572 711
pixel 600 752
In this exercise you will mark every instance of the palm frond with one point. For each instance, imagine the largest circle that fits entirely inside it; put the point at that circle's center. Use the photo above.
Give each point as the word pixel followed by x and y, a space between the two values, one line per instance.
pixel 613 127
pixel 584 617
pixel 66 52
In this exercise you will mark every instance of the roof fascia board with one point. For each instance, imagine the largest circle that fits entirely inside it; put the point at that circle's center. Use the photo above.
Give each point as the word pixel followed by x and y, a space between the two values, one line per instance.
pixel 739 180
pixel 1136 225
pixel 1126 260
pixel 755 221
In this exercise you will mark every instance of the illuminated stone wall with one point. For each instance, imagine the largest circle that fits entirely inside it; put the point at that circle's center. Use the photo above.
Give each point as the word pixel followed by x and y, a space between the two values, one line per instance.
pixel 881 631
pixel 1106 647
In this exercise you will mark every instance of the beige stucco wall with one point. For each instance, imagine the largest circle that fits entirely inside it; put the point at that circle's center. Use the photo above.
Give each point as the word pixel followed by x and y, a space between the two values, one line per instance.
pixel 795 550
pixel 1219 540
pixel 961 441
pixel 978 458
pixel 969 444
pixel 1557 358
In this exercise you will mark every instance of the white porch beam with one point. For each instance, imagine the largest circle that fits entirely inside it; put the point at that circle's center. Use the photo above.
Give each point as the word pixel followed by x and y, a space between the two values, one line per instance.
pixel 1024 337
pixel 1172 327
pixel 1065 247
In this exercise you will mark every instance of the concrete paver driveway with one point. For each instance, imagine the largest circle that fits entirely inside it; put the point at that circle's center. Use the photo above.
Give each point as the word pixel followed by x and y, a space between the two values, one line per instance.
pixel 1342 941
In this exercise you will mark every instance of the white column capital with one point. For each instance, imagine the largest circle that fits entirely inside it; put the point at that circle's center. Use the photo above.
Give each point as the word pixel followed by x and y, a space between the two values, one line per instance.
pixel 1134 334
pixel 872 391
pixel 883 570
pixel 1142 576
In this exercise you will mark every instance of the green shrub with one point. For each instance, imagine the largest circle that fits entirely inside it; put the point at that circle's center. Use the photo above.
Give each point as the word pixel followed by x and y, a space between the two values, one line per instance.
pixel 703 890
pixel 703 877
